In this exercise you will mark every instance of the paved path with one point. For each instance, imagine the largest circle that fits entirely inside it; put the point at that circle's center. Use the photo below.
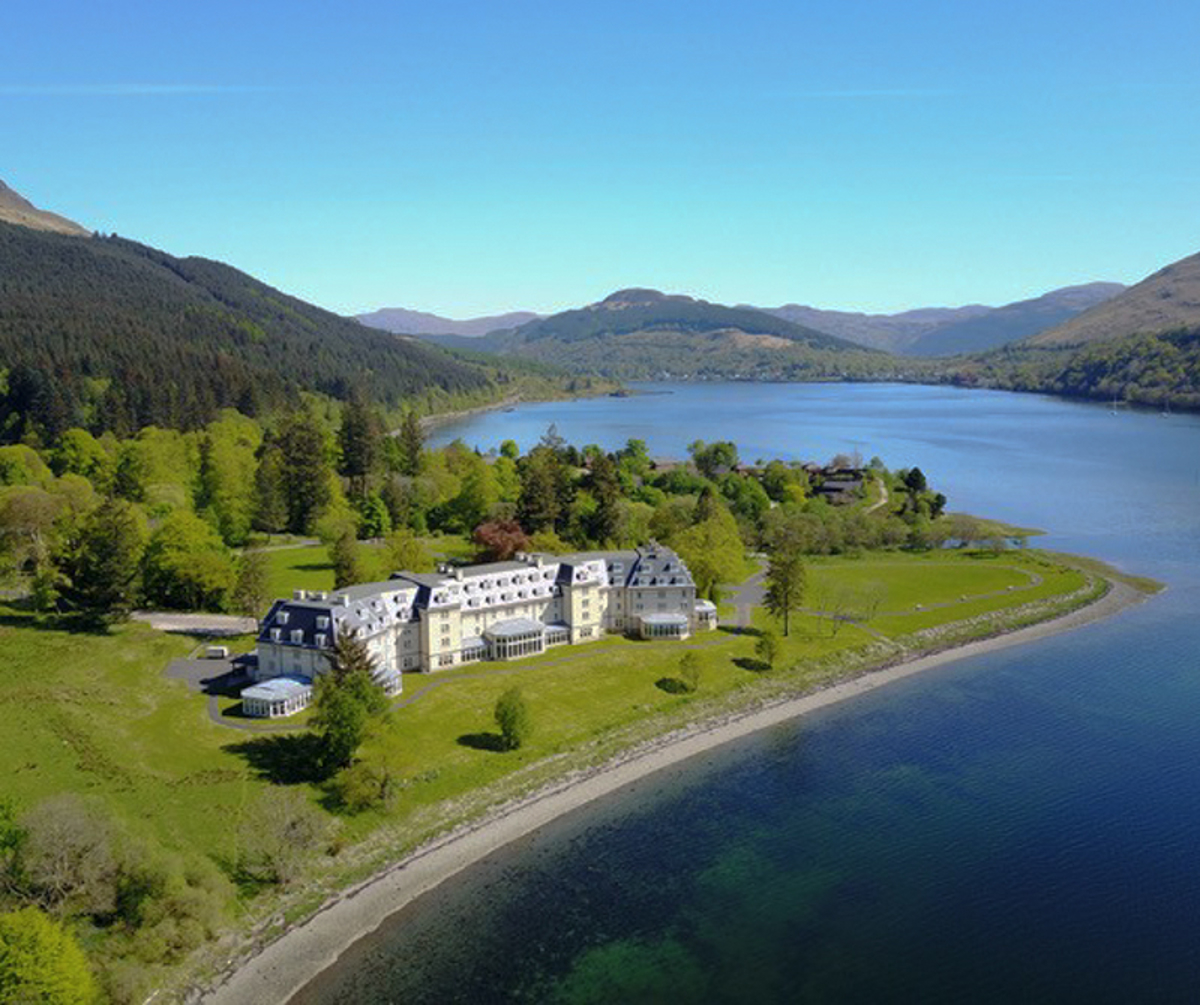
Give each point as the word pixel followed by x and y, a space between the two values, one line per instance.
pixel 748 595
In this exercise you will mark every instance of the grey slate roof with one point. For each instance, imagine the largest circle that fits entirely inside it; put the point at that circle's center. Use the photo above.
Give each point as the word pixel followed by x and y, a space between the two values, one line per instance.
pixel 659 566
pixel 369 608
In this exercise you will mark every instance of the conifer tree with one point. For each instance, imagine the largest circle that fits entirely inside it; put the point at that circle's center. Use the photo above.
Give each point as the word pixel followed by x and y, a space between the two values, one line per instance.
pixel 270 502
pixel 347 561
pixel 104 570
pixel 251 591
pixel 606 488
pixel 358 439
pixel 411 441
pixel 347 698
pixel 305 471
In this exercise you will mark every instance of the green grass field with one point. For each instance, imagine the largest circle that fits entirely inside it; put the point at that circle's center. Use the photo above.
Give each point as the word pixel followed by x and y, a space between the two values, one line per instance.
pixel 94 714
pixel 307 566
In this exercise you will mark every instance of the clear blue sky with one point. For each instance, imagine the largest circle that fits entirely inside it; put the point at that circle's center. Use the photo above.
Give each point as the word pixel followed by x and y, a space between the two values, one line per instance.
pixel 467 158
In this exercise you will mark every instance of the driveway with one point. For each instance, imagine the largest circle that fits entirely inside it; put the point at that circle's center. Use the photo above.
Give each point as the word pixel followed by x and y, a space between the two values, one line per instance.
pixel 216 625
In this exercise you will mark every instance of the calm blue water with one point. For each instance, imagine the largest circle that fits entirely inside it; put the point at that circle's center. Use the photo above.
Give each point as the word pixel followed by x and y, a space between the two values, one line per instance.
pixel 1019 827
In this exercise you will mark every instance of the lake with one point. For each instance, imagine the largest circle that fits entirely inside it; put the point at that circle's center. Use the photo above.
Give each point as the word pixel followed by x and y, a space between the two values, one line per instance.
pixel 1018 827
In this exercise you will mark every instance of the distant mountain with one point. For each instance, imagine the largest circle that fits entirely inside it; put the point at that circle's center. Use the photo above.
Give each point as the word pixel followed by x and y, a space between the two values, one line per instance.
pixel 1167 300
pixel 890 332
pixel 947 331
pixel 401 321
pixel 108 333
pixel 19 210
pixel 641 333
pixel 1012 322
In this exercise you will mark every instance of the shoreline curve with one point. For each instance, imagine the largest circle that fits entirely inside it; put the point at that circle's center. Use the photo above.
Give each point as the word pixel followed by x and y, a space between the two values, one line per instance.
pixel 283 967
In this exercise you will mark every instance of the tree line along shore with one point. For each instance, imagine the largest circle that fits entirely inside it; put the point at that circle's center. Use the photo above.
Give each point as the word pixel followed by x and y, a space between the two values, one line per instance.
pixel 171 855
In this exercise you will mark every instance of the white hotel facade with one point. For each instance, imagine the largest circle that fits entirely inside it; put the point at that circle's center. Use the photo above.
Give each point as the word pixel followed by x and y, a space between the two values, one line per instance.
pixel 499 611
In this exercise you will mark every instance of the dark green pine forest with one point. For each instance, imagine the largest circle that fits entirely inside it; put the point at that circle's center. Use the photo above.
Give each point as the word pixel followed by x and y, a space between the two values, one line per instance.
pixel 104 333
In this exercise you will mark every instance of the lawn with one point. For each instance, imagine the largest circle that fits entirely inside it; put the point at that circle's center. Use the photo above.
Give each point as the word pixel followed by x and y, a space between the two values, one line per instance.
pixel 93 713
pixel 307 566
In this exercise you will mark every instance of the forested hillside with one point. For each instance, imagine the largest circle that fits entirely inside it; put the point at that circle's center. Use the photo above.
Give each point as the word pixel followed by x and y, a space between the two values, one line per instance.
pixel 106 333
pixel 644 334
pixel 1158 370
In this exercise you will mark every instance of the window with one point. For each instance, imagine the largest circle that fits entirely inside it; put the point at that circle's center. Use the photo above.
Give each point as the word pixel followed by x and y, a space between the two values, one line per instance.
pixel 276 634
pixel 320 640
pixel 322 621
pixel 282 617
pixel 446 659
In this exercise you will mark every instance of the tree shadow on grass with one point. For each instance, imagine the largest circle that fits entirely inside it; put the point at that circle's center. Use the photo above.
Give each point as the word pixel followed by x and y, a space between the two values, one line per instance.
pixel 74 624
pixel 672 685
pixel 483 741
pixel 287 759
pixel 740 630
pixel 751 664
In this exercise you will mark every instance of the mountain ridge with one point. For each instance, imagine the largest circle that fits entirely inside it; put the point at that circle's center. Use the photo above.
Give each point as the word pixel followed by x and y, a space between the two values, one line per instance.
pixel 639 333
pixel 1013 322
pixel 1165 300
pixel 16 209
pixel 402 321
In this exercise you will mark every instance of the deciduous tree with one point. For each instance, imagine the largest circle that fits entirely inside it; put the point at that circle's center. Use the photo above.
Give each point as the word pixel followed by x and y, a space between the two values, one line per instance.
pixel 766 649
pixel 40 962
pixel 186 565
pixel 689 671
pixel 786 577
pixel 513 717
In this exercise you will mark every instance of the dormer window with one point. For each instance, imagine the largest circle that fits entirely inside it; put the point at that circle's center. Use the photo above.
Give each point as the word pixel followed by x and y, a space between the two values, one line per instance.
pixel 297 635
pixel 276 634
pixel 282 617
pixel 320 640
pixel 322 621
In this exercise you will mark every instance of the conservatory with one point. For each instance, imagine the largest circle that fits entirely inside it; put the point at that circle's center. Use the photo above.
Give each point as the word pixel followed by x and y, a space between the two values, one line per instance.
pixel 516 637
pixel 277 696
pixel 664 626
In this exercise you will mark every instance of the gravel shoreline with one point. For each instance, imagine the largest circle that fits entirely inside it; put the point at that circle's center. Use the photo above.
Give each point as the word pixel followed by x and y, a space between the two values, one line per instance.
pixel 290 962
